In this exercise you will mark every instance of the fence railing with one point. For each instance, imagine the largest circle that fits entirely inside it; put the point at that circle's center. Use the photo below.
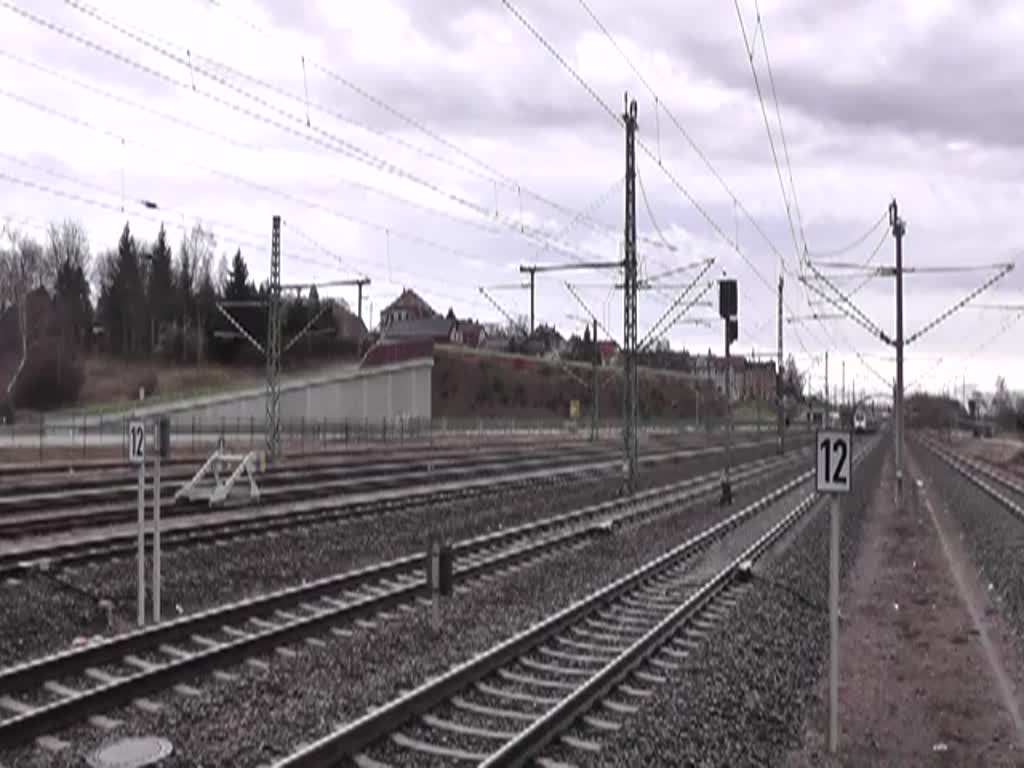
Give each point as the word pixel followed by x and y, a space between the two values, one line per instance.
pixel 107 437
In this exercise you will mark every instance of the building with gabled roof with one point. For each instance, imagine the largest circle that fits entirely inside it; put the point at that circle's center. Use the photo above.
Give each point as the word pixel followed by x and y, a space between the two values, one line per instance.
pixel 408 306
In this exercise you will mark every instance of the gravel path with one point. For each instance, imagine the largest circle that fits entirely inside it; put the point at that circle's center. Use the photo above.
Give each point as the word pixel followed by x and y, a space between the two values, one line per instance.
pixel 923 660
pixel 262 716
pixel 741 699
pixel 43 614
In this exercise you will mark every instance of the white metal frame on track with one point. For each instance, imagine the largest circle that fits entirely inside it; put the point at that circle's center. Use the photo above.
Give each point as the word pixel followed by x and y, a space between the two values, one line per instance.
pixel 220 489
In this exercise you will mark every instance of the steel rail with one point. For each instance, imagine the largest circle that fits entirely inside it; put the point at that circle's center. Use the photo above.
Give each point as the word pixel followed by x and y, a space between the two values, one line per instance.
pixel 18 561
pixel 36 495
pixel 962 464
pixel 401 586
pixel 349 742
pixel 317 483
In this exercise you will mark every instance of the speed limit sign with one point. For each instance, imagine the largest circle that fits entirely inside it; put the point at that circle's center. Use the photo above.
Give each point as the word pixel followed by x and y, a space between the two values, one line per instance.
pixel 835 461
pixel 137 442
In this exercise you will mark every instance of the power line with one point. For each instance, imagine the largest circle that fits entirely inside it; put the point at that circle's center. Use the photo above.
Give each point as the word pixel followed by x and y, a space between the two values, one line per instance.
pixel 960 304
pixel 767 126
pixel 271 190
pixel 700 153
pixel 650 213
pixel 869 261
pixel 778 115
pixel 127 102
pixel 640 144
pixel 854 244
pixel 329 140
pixel 749 47
pixel 257 242
pixel 679 127
pixel 495 174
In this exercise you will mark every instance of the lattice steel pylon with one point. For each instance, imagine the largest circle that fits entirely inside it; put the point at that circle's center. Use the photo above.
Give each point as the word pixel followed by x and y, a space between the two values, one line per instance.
pixel 630 411
pixel 273 428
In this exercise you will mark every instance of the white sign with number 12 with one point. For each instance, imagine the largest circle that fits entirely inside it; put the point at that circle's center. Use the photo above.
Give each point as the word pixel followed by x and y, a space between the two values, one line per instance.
pixel 137 442
pixel 835 461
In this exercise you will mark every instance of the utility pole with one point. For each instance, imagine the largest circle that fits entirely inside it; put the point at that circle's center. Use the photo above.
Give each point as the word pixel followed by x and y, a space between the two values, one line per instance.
pixel 630 411
pixel 359 284
pixel 828 404
pixel 273 428
pixel 843 400
pixel 898 228
pixel 532 271
pixel 779 397
pixel 594 418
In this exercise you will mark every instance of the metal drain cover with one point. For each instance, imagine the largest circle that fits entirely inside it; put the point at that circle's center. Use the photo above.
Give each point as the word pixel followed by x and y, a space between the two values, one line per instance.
pixel 131 753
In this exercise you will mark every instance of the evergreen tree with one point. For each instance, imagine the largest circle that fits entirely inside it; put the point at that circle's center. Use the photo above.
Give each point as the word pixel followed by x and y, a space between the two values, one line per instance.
pixel 238 287
pixel 127 295
pixel 160 287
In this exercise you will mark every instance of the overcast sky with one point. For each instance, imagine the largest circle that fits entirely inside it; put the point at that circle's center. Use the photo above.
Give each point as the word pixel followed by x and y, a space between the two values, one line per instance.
pixel 441 145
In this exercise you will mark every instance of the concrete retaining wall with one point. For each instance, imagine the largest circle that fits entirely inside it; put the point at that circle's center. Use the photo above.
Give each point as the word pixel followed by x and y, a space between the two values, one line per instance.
pixel 387 392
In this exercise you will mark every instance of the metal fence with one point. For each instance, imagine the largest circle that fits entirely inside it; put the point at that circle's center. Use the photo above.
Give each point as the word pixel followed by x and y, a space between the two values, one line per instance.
pixel 107 436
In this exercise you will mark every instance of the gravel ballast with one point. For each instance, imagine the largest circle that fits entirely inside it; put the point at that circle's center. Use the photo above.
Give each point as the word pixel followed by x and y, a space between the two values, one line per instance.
pixel 992 534
pixel 265 714
pixel 45 613
pixel 741 697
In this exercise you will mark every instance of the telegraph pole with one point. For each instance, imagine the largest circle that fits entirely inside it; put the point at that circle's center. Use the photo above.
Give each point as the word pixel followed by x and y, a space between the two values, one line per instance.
pixel 360 283
pixel 843 400
pixel 780 399
pixel 532 271
pixel 629 342
pixel 828 403
pixel 594 418
pixel 273 428
pixel 898 228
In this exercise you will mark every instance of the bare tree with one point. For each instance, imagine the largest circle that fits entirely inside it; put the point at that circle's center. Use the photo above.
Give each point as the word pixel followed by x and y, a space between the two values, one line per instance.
pixel 197 249
pixel 67 246
pixel 199 245
pixel 22 273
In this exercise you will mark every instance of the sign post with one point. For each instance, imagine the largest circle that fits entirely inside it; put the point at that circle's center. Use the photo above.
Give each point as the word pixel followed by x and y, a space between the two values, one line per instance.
pixel 137 455
pixel 834 456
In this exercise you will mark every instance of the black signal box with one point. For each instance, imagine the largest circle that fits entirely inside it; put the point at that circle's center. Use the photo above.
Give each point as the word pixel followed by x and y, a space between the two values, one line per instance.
pixel 728 299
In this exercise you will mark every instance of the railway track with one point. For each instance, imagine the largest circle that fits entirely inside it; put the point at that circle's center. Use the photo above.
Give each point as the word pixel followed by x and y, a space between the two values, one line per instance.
pixel 560 685
pixel 130 666
pixel 14 473
pixel 1004 487
pixel 282 486
pixel 246 523
pixel 35 491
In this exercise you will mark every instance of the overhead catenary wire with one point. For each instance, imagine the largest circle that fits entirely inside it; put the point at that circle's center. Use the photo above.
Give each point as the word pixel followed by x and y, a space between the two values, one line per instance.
pixel 942 317
pixel 493 173
pixel 275 191
pixel 657 157
pixel 778 115
pixel 678 300
pixel 639 143
pixel 322 137
pixel 771 140
pixel 663 106
pixel 853 244
pixel 251 241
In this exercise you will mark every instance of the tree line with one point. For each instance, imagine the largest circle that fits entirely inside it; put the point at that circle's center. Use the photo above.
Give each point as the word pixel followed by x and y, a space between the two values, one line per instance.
pixel 138 301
